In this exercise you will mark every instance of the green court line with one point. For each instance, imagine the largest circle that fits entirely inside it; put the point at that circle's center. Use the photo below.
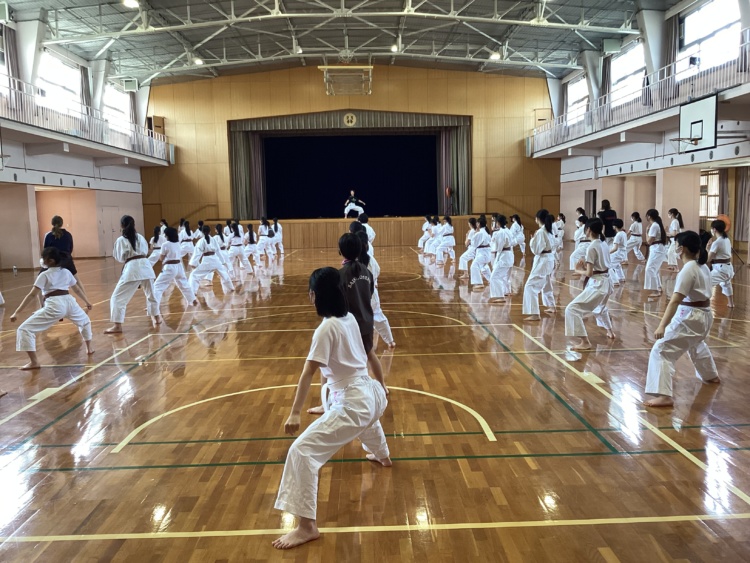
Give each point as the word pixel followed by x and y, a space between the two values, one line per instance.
pixel 544 384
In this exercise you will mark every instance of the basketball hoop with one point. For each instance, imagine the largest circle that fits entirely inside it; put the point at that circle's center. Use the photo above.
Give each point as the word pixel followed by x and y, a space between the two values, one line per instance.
pixel 682 144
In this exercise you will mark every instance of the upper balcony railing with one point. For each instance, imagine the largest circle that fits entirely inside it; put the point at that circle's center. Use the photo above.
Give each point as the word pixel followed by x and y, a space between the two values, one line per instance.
pixel 19 101
pixel 664 89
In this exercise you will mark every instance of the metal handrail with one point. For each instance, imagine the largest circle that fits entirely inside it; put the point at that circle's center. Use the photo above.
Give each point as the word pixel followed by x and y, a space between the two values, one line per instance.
pixel 661 90
pixel 19 102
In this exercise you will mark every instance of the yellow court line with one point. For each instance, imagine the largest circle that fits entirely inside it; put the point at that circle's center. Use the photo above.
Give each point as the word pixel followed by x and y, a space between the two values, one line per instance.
pixel 49 392
pixel 381 529
pixel 479 418
pixel 689 456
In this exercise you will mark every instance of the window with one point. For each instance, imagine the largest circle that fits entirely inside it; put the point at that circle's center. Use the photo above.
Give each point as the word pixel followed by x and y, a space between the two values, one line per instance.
pixel 578 100
pixel 711 33
pixel 628 70
pixel 116 108
pixel 709 204
pixel 60 85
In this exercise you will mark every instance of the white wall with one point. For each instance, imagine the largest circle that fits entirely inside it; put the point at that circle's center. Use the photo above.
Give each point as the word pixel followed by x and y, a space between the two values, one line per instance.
pixel 19 245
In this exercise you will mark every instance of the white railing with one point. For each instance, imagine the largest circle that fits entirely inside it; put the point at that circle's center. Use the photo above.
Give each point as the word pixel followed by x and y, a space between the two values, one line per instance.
pixel 664 89
pixel 19 101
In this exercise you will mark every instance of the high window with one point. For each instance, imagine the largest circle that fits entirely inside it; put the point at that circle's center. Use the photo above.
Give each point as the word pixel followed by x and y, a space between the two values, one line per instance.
pixel 711 33
pixel 709 202
pixel 59 84
pixel 578 99
pixel 116 108
pixel 628 70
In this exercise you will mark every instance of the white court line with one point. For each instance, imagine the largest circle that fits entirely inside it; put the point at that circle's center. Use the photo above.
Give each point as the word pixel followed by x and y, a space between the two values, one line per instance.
pixel 725 479
pixel 49 392
pixel 479 418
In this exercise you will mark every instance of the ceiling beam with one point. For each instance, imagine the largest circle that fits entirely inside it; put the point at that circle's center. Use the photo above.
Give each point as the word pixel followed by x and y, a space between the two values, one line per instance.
pixel 227 22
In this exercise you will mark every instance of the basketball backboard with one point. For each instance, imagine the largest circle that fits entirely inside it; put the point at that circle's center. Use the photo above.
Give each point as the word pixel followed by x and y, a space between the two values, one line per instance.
pixel 698 123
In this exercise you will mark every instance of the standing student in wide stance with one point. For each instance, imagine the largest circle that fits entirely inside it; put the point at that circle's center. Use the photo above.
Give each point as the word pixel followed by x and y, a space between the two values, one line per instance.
pixel 265 244
pixel 425 233
pixel 172 272
pixel 516 229
pixel 581 243
pixel 207 259
pixel 278 239
pixel 431 245
pixel 353 203
pixel 618 253
pixel 251 245
pixel 352 409
pixel 447 243
pixel 560 224
pixel 500 277
pixel 596 289
pixel 657 253
pixel 186 239
pixel 156 242
pixel 480 266
pixel 720 260
pixel 685 325
pixel 635 237
pixel 675 228
pixel 468 256
pixel 163 224
pixel 53 285
pixel 131 249
pixel 540 277
pixel 236 252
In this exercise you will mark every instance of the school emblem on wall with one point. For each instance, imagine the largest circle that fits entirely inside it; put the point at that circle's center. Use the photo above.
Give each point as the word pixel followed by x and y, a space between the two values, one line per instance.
pixel 350 120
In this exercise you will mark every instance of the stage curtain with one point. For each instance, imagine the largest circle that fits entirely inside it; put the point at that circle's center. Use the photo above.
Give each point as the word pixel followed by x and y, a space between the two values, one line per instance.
pixel 454 170
pixel 742 217
pixel 248 177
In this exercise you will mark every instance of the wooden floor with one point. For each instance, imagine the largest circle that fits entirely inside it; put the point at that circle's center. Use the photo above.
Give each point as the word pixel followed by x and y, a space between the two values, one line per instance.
pixel 168 445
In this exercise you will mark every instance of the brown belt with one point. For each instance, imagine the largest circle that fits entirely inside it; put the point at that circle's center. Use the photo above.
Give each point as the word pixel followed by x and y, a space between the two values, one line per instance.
pixel 700 304
pixel 172 262
pixel 236 245
pixel 157 247
pixel 506 249
pixel 655 243
pixel 721 261
pixel 484 246
pixel 582 241
pixel 208 253
pixel 546 252
pixel 56 293
pixel 134 258
pixel 599 272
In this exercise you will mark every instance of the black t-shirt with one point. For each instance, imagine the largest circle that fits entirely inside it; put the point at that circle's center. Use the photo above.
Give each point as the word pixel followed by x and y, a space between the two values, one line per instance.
pixel 353 199
pixel 359 287
pixel 608 217
pixel 63 244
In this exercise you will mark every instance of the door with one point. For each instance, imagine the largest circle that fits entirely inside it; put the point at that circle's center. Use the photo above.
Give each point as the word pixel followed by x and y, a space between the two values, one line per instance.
pixel 109 228
pixel 590 202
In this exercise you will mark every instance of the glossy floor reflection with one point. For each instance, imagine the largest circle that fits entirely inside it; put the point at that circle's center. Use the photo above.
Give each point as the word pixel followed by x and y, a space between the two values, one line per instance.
pixel 536 459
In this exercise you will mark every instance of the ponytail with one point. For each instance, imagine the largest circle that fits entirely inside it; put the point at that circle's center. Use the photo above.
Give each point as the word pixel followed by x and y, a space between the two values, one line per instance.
pixel 250 234
pixel 691 241
pixel 235 229
pixel 57 224
pixel 206 230
pixel 157 234
pixel 677 215
pixel 544 216
pixel 483 224
pixel 635 216
pixel 364 257
pixel 720 227
pixel 502 221
pixel 187 228
pixel 127 223
pixel 596 226
pixel 653 214
pixel 220 232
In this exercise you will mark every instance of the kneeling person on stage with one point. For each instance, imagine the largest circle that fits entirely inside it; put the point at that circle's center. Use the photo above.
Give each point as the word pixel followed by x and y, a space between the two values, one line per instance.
pixel 54 285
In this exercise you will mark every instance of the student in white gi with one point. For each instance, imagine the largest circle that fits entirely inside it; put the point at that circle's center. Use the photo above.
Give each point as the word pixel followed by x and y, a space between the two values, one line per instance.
pixel 131 249
pixel 516 229
pixel 354 403
pixel 684 326
pixel 720 260
pixel 447 243
pixel 635 237
pixel 425 233
pixel 596 289
pixel 278 238
pixel 186 239
pixel 236 252
pixel 352 203
pixel 207 259
pixel 163 224
pixel 251 244
pixel 657 253
pixel 482 256
pixel 675 228
pixel 53 285
pixel 365 220
pixel 172 271
pixel 431 245
pixel 466 257
pixel 618 252
pixel 500 278
pixel 265 244
pixel 540 277
pixel 560 224
pixel 155 244
pixel 581 243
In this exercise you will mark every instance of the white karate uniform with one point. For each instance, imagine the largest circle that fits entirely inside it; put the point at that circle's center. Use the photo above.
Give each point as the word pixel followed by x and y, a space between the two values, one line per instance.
pixel 425 235
pixel 635 240
pixel 156 249
pixel 172 273
pixel 500 278
pixel 53 310
pixel 265 244
pixel 581 244
pixel 593 299
pixel 379 319
pixel 278 239
pixel 370 234
pixel 446 245
pixel 674 226
pixel 559 232
pixel 463 261
pixel 722 274
pixel 435 233
pixel 209 264
pixel 480 265
pixel 135 272
pixel 186 242
pixel 2 301
pixel 618 257
pixel 251 249
pixel 540 277
pixel 236 252
pixel 687 332
pixel 353 405
pixel 656 256
pixel 517 231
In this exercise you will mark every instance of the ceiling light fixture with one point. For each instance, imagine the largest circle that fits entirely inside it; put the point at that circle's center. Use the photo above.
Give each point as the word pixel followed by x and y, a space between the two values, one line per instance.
pixel 494 56
pixel 197 61
pixel 394 48
pixel 131 4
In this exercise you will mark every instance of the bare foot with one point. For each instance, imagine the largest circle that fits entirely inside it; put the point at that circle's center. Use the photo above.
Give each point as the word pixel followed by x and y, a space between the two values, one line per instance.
pixel 157 320
pixel 392 345
pixel 714 381
pixel 3 393
pixel 496 300
pixel 611 335
pixel 113 330
pixel 316 410
pixel 90 351
pixel 550 310
pixel 581 347
pixel 296 537
pixel 660 401
pixel 532 318
pixel 463 276
pixel 195 302
pixel 386 462
pixel 30 366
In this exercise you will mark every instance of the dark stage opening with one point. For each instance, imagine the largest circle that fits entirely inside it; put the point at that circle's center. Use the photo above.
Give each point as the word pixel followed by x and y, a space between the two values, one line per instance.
pixel 310 176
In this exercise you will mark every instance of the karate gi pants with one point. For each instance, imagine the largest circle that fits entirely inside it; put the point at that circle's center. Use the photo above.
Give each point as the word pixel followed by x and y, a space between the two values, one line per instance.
pixel 423 239
pixel 480 267
pixel 578 254
pixel 722 274
pixel 54 309
pixel 356 208
pixel 206 268
pixel 431 245
pixel 252 250
pixel 591 301
pixel 634 244
pixel 672 253
pixel 443 249
pixel 236 253
pixel 173 273
pixel 500 278
pixel 656 256
pixel 540 281
pixel 352 412
pixel 123 293
pixel 686 333
pixel 380 320
pixel 266 247
pixel 465 258
pixel 615 270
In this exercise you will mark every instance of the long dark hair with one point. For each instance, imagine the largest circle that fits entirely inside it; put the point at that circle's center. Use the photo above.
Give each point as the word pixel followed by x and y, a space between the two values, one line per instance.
pixel 264 221
pixel 502 221
pixel 653 214
pixel 171 234
pixel 157 234
pixel 720 226
pixel 182 221
pixel 562 217
pixel 544 216
pixel 220 231
pixel 57 223
pixel 473 223
pixel 583 220
pixel 605 205
pixel 692 241
pixel 330 299
pixel 207 233
pixel 187 228
pixel 483 224
pixel 364 257
pixel 250 234
pixel 596 226
pixel 127 223
pixel 635 216
pixel 235 230
pixel 448 220
pixel 677 215
pixel 517 219
pixel 51 253
pixel 275 225
pixel 350 246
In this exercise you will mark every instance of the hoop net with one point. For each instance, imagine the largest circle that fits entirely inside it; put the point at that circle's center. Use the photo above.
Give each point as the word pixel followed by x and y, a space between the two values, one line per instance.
pixel 681 144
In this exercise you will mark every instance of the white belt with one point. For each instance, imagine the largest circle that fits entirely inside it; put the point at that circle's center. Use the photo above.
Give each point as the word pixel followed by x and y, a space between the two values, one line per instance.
pixel 336 386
